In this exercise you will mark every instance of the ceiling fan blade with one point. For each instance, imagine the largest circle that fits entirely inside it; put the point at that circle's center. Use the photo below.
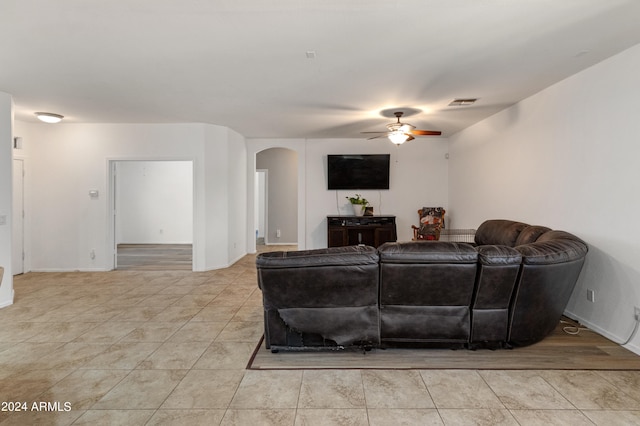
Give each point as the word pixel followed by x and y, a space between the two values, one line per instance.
pixel 376 137
pixel 375 132
pixel 425 132
pixel 410 138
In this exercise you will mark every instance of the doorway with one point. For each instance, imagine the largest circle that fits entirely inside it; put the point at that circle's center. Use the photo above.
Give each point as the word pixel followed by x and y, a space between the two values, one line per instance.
pixel 152 205
pixel 262 178
pixel 277 190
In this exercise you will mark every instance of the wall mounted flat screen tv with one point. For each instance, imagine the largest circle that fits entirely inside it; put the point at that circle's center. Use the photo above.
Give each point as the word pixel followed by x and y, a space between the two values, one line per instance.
pixel 367 171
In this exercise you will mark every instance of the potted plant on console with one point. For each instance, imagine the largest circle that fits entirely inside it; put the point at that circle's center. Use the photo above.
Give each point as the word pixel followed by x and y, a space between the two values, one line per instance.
pixel 359 204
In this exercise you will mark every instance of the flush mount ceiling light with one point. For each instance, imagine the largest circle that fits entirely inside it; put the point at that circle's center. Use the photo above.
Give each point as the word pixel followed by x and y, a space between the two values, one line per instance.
pixel 49 117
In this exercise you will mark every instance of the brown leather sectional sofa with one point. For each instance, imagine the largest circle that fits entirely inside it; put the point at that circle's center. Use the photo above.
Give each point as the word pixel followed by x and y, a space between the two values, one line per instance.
pixel 510 288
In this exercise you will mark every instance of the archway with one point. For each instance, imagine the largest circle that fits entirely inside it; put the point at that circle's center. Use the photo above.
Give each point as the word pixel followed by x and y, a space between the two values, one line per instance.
pixel 276 197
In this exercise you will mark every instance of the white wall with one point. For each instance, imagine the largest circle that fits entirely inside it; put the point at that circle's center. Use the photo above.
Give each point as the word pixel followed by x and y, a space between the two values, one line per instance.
pixel 223 198
pixel 567 158
pixel 6 177
pixel 282 200
pixel 154 202
pixel 65 161
pixel 419 177
pixel 237 183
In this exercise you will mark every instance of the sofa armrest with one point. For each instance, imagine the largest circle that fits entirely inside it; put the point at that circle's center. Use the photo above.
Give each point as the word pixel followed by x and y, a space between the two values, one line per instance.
pixel 552 251
pixel 332 256
pixel 498 255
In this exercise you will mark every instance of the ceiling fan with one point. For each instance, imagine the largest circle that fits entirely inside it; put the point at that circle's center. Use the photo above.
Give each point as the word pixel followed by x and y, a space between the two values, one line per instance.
pixel 399 133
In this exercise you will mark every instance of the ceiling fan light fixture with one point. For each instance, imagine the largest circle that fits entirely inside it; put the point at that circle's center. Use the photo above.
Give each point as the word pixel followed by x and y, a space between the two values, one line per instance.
pixel 49 117
pixel 407 128
pixel 398 137
pixel 399 133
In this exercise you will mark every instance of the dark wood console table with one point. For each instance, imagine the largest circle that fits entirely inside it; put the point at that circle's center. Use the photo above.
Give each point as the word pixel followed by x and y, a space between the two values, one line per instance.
pixel 369 230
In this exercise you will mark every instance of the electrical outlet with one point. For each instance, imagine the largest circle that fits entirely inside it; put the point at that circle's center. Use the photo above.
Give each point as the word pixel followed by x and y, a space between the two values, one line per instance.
pixel 636 313
pixel 591 295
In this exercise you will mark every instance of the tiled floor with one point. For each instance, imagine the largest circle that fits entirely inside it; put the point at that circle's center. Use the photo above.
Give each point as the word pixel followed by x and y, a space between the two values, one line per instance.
pixel 161 348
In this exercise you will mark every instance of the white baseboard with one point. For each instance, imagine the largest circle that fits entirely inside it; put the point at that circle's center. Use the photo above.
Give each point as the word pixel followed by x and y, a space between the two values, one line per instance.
pixel 70 270
pixel 223 265
pixel 633 347
pixel 237 259
pixel 9 302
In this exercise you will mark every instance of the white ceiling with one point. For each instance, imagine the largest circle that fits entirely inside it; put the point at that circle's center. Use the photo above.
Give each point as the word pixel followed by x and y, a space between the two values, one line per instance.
pixel 243 63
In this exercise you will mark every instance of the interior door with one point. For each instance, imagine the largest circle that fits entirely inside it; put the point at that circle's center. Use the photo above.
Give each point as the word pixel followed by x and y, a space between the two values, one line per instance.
pixel 18 217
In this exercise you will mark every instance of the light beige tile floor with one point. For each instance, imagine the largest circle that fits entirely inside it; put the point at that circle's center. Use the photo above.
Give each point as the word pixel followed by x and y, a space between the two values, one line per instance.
pixel 171 347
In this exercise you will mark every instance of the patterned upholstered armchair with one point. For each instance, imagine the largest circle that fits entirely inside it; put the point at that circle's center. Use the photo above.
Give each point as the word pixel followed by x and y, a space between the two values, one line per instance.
pixel 431 222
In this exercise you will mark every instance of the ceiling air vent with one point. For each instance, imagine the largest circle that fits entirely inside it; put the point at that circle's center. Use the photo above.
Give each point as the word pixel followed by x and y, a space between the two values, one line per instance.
pixel 463 102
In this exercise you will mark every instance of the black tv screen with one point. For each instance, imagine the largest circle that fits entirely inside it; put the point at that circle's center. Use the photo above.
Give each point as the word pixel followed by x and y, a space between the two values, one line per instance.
pixel 368 171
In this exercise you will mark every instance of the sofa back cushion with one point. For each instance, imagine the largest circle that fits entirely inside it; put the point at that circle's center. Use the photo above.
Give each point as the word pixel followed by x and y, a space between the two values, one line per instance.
pixel 426 288
pixel 530 234
pixel 333 277
pixel 320 296
pixel 558 235
pixel 427 273
pixel 499 232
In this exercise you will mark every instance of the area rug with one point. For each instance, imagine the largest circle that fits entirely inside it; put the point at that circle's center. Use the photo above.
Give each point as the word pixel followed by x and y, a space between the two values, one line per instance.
pixel 585 350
